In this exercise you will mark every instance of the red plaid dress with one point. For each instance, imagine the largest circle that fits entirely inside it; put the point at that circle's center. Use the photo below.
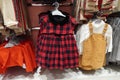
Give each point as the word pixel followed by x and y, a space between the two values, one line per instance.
pixel 56 46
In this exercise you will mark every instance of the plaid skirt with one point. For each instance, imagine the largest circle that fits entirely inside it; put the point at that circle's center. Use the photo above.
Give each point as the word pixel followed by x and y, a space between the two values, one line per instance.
pixel 57 51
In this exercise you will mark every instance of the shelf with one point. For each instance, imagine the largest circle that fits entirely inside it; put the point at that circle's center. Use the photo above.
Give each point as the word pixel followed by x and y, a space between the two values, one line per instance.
pixel 39 4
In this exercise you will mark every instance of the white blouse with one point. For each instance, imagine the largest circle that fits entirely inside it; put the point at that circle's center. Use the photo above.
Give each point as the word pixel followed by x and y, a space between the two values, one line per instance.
pixel 83 33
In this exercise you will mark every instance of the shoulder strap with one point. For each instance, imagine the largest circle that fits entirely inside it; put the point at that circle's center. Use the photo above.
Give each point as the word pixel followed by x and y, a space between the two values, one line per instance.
pixel 90 28
pixel 105 28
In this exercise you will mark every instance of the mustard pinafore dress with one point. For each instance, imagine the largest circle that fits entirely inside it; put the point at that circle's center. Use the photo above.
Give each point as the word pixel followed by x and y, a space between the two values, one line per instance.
pixel 94 50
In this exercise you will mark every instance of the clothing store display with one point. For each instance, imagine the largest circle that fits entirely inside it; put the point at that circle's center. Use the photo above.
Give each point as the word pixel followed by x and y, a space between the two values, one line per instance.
pixel 84 9
pixel 13 15
pixel 17 56
pixel 60 39
pixel 93 48
pixel 83 34
pixel 7 9
pixel 114 56
pixel 56 46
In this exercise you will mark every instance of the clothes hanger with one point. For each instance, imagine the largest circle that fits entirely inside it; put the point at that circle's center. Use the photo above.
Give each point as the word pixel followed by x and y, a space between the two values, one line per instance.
pixel 56 11
pixel 95 17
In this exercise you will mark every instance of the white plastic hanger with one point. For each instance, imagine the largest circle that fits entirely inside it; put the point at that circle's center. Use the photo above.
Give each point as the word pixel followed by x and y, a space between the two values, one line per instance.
pixel 56 11
pixel 96 18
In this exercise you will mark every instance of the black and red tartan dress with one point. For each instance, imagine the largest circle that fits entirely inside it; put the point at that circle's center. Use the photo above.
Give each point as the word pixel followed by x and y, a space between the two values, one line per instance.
pixel 56 46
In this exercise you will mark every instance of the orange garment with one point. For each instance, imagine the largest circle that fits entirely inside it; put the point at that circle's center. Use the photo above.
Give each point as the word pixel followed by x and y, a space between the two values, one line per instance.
pixel 94 50
pixel 17 56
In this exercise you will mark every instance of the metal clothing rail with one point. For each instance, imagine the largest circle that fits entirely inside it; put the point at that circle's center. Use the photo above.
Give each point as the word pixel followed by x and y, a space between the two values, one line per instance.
pixel 35 28
pixel 39 4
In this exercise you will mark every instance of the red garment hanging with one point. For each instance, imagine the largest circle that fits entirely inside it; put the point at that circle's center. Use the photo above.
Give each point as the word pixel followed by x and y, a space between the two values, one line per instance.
pixel 100 4
pixel 19 13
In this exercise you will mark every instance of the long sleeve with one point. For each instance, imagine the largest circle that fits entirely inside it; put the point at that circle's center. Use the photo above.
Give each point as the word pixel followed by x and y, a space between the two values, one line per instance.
pixel 7 9
pixel 77 37
pixel 82 34
pixel 109 39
